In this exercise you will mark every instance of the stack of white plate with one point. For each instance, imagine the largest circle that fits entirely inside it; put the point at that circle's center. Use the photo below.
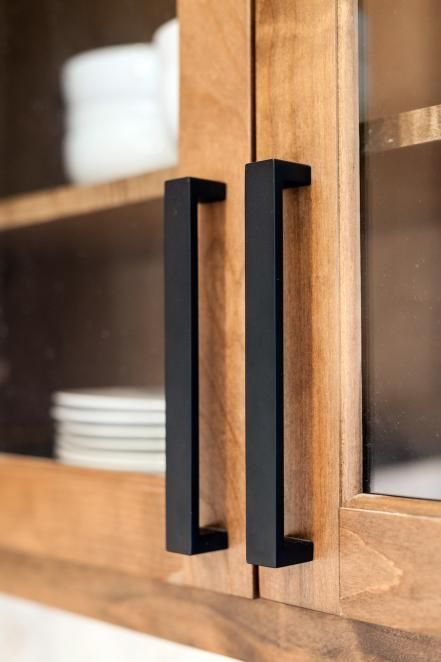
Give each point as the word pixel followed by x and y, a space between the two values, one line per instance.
pixel 110 428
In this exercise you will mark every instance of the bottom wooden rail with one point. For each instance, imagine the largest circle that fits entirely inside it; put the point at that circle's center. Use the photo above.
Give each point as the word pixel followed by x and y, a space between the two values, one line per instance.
pixel 255 630
pixel 107 519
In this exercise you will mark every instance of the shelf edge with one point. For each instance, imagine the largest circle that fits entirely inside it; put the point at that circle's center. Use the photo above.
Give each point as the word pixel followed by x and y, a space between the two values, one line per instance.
pixel 54 204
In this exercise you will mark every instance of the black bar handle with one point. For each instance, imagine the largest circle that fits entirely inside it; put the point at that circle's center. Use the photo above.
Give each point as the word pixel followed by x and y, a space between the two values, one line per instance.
pixel 183 533
pixel 266 543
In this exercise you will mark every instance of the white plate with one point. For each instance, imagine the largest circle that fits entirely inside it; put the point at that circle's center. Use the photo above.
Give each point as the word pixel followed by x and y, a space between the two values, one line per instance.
pixel 102 461
pixel 109 455
pixel 122 399
pixel 111 431
pixel 112 444
pixel 108 416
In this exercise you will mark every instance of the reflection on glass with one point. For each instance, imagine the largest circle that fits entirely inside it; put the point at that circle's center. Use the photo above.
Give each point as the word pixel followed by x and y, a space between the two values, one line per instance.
pixel 400 150
pixel 82 311
pixel 88 94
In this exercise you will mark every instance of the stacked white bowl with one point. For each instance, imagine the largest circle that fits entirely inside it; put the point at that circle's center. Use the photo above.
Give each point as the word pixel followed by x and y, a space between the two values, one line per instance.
pixel 121 109
pixel 110 428
pixel 166 39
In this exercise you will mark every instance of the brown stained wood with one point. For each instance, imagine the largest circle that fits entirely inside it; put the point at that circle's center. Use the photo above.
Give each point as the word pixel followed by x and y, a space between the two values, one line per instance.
pixel 296 120
pixel 251 630
pixel 350 273
pixel 35 208
pixel 388 545
pixel 215 143
pixel 102 518
pixel 414 127
pixel 398 505
pixel 390 569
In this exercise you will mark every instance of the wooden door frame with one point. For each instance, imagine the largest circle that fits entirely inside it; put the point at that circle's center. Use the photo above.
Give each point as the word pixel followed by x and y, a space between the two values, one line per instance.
pixel 296 120
pixel 216 140
pixel 389 546
pixel 117 520
pixel 377 557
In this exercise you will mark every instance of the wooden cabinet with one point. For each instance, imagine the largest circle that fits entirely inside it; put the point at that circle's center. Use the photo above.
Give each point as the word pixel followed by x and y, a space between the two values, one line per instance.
pixel 259 80
pixel 215 142
pixel 370 559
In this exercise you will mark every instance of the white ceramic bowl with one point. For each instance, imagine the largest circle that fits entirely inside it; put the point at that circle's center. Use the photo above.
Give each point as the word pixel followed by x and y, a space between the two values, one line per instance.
pixel 166 39
pixel 95 114
pixel 114 150
pixel 113 72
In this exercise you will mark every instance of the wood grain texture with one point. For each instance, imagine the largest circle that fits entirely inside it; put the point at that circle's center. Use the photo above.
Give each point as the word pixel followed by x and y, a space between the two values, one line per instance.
pixel 102 518
pixel 390 569
pixel 388 545
pixel 350 272
pixel 296 120
pixel 34 208
pixel 396 505
pixel 215 143
pixel 414 127
pixel 251 630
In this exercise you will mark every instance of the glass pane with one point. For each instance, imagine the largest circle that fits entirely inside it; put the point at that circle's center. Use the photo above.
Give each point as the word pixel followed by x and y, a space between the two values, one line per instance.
pixel 50 103
pixel 82 309
pixel 400 150
pixel 81 296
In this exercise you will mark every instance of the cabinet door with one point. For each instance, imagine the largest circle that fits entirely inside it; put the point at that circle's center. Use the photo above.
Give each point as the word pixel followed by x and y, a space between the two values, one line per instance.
pixel 215 142
pixel 82 279
pixel 389 544
pixel 296 120
pixel 361 300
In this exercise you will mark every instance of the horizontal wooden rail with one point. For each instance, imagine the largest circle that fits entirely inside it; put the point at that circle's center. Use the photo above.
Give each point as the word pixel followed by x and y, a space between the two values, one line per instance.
pixel 102 518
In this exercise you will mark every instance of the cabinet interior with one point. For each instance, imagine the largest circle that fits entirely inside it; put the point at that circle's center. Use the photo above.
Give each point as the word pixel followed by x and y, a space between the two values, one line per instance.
pixel 36 38
pixel 81 306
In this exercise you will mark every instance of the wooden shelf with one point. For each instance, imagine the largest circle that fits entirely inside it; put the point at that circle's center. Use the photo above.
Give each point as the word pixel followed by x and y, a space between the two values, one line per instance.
pixel 414 127
pixel 45 206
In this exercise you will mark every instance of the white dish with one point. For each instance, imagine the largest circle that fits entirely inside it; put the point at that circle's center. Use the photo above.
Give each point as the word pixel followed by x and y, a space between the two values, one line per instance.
pixel 126 71
pixel 108 416
pixel 97 114
pixel 110 431
pixel 99 461
pixel 112 444
pixel 109 455
pixel 167 40
pixel 113 150
pixel 132 399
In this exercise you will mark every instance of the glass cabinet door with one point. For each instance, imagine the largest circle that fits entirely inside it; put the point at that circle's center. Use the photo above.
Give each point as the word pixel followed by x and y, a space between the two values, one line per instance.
pixel 88 137
pixel 400 152
pixel 86 143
